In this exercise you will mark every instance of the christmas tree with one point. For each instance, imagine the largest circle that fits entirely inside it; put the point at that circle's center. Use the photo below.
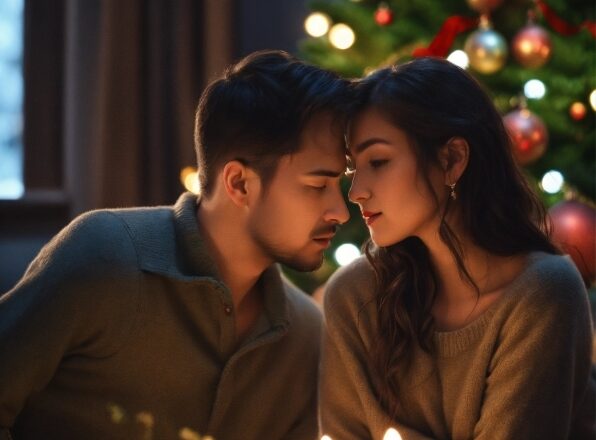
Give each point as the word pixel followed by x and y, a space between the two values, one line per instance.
pixel 535 58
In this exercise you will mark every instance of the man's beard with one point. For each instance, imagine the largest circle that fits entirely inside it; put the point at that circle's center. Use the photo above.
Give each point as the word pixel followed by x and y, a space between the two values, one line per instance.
pixel 294 261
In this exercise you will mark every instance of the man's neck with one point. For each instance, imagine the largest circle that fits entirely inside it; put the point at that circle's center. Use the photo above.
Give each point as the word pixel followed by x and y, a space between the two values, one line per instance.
pixel 236 260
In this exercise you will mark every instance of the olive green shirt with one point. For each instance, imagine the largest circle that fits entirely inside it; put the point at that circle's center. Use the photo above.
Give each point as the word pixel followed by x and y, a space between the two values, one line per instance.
pixel 121 329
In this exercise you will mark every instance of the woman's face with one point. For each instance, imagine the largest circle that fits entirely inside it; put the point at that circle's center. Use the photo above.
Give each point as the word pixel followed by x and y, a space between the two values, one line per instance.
pixel 393 195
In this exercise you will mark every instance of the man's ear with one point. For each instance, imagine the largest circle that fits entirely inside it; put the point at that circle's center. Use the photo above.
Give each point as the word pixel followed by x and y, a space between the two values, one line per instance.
pixel 453 157
pixel 235 176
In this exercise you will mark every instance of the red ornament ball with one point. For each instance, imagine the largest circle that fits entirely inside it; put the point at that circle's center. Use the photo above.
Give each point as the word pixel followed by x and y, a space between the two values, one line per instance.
pixel 574 227
pixel 383 15
pixel 532 47
pixel 577 111
pixel 528 135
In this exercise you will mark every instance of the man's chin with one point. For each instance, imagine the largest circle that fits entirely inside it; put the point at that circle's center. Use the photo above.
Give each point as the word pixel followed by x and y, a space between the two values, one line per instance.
pixel 303 264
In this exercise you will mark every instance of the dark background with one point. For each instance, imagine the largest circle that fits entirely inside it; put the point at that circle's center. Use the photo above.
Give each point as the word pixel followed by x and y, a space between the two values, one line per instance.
pixel 110 93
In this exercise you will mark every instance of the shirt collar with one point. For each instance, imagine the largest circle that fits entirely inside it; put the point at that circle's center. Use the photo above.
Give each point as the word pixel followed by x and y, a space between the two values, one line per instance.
pixel 198 262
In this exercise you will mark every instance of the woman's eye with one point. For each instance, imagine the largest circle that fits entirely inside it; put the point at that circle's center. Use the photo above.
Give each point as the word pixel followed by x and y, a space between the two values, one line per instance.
pixel 318 188
pixel 378 163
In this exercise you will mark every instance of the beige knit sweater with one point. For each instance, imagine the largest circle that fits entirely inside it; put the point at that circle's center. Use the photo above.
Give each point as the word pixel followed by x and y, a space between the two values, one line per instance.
pixel 522 370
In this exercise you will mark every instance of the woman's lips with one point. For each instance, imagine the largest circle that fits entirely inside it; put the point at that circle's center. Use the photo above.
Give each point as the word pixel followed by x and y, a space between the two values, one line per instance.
pixel 370 217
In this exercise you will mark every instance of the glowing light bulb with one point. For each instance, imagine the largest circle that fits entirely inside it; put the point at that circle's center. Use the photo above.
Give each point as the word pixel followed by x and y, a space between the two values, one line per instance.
pixel 534 89
pixel 593 100
pixel 552 181
pixel 459 58
pixel 317 24
pixel 326 437
pixel 342 36
pixel 346 253
pixel 392 434
pixel 190 179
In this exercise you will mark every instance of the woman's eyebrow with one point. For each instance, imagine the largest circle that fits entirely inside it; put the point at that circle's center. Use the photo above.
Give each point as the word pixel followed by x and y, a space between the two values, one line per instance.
pixel 365 144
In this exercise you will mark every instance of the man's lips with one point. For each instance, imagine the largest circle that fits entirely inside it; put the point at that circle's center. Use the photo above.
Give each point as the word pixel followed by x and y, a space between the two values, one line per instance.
pixel 324 240
pixel 370 217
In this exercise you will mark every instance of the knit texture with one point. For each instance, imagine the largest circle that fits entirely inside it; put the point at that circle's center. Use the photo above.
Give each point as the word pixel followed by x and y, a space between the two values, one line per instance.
pixel 521 370
pixel 122 329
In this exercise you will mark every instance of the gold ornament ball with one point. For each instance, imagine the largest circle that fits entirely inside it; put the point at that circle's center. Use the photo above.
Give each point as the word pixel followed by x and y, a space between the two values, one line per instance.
pixel 528 133
pixel 532 47
pixel 578 111
pixel 484 6
pixel 487 50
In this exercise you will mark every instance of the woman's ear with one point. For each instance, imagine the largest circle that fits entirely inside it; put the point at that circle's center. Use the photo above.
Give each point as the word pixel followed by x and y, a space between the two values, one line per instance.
pixel 453 157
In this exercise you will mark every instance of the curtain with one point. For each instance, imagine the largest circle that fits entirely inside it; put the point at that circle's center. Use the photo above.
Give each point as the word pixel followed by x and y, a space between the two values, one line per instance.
pixel 110 92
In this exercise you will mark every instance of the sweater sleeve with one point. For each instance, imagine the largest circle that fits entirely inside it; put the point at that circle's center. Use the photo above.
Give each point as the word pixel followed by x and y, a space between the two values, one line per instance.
pixel 348 407
pixel 539 377
pixel 64 305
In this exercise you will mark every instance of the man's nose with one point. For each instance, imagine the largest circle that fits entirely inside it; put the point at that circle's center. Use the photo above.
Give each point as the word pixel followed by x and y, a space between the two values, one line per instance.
pixel 338 211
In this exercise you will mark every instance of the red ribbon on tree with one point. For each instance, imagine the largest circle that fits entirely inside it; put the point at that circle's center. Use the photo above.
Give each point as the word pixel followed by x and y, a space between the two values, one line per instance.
pixel 451 28
pixel 560 25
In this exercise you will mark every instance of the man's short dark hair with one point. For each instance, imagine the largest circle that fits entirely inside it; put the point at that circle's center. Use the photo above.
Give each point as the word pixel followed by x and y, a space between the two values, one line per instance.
pixel 256 112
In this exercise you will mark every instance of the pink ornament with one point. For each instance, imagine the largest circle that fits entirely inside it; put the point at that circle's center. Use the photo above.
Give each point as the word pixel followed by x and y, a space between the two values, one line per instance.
pixel 531 46
pixel 528 135
pixel 574 228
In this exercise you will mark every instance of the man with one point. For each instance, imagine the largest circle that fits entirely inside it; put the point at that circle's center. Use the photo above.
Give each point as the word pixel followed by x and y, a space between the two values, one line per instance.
pixel 174 322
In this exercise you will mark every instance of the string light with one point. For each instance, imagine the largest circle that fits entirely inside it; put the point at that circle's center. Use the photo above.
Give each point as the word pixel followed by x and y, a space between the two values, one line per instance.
pixel 326 437
pixel 593 100
pixel 459 58
pixel 317 24
pixel 346 253
pixel 552 181
pixel 190 179
pixel 342 36
pixel 392 434
pixel 534 89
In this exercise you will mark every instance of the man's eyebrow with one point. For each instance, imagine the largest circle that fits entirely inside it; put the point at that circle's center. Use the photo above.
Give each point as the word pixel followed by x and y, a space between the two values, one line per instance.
pixel 324 173
pixel 364 145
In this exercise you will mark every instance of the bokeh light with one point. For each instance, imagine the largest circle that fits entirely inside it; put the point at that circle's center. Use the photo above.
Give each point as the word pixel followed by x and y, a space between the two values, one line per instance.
pixel 392 434
pixel 317 24
pixel 459 58
pixel 534 89
pixel 342 36
pixel 552 181
pixel 346 253
pixel 190 179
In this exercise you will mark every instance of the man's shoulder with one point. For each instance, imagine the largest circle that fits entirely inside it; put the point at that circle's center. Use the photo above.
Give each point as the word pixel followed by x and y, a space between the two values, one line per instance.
pixel 304 307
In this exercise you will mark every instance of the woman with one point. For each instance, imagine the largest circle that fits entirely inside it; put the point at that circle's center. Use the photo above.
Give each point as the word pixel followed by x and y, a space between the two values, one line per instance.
pixel 464 321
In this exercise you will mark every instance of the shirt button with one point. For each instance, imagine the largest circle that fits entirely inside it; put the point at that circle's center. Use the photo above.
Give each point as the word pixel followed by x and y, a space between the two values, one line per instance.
pixel 228 309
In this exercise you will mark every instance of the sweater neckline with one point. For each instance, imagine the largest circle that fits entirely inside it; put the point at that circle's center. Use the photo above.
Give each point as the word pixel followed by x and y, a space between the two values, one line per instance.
pixel 453 342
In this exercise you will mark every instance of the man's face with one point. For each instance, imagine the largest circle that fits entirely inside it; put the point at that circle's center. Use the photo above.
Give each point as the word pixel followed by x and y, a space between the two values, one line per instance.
pixel 294 220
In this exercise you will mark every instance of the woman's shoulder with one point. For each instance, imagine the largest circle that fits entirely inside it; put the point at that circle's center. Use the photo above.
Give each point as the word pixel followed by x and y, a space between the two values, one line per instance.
pixel 550 280
pixel 351 286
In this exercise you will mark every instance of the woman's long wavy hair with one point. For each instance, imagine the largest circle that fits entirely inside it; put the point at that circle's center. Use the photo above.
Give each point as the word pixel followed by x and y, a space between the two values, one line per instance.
pixel 433 101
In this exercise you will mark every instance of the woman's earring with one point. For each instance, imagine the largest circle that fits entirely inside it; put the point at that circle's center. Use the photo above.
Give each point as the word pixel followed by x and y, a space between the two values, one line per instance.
pixel 453 195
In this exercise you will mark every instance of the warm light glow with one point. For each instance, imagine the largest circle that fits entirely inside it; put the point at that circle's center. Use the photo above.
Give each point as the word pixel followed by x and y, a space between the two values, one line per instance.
pixel 392 434
pixel 326 437
pixel 342 36
pixel 534 89
pixel 593 100
pixel 189 434
pixel 317 24
pixel 459 58
pixel 346 253
pixel 190 179
pixel 552 182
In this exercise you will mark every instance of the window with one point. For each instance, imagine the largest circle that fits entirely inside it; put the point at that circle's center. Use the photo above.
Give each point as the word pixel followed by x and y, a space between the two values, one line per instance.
pixel 11 99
